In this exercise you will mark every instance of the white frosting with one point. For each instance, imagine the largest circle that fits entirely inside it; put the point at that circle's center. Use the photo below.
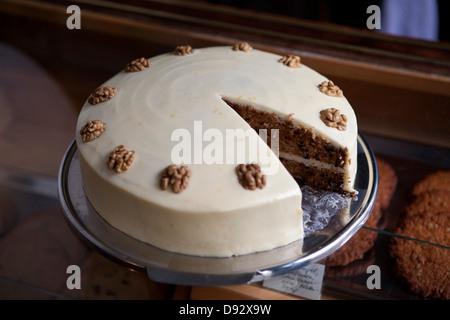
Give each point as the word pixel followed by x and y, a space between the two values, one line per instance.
pixel 214 215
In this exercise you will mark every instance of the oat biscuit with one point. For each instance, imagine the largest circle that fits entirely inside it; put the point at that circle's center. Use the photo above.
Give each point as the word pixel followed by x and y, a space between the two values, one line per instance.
pixel 432 201
pixel 423 266
pixel 439 180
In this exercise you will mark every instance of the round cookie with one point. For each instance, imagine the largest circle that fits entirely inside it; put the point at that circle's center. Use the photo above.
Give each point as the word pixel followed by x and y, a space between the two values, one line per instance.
pixel 439 180
pixel 423 266
pixel 433 201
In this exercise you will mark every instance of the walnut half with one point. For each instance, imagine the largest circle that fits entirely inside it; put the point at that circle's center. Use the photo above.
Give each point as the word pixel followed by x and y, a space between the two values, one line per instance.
pixel 120 159
pixel 330 89
pixel 183 50
pixel 102 94
pixel 250 176
pixel 137 65
pixel 92 130
pixel 242 46
pixel 176 177
pixel 333 118
pixel 291 61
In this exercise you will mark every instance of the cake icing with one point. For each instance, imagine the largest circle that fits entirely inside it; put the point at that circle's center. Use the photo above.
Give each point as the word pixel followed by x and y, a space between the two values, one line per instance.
pixel 180 100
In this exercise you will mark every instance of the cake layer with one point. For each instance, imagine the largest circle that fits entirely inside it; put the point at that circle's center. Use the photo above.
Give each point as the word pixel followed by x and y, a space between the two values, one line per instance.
pixel 294 139
pixel 319 177
pixel 173 111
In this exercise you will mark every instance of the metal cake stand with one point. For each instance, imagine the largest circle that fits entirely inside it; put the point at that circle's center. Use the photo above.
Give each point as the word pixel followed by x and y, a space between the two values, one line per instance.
pixel 321 238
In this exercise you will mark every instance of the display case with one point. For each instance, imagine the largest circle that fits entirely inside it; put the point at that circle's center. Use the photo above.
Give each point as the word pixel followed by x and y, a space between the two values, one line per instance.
pixel 399 88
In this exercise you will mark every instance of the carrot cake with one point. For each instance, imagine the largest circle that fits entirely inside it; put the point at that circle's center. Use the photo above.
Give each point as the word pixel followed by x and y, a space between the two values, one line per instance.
pixel 201 151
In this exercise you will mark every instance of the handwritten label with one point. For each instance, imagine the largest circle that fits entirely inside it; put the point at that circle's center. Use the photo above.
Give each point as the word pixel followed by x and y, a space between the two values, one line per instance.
pixel 305 282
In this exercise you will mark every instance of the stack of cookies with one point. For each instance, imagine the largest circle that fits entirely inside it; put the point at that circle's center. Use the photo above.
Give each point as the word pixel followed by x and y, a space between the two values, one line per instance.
pixel 422 262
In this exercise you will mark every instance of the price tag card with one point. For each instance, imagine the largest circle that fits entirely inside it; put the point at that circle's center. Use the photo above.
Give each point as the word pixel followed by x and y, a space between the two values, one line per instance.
pixel 305 282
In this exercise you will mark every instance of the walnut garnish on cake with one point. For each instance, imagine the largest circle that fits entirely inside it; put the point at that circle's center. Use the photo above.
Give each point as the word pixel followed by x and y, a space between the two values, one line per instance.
pixel 137 65
pixel 250 176
pixel 291 61
pixel 102 94
pixel 92 130
pixel 177 178
pixel 183 50
pixel 120 159
pixel 330 89
pixel 242 46
pixel 333 118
